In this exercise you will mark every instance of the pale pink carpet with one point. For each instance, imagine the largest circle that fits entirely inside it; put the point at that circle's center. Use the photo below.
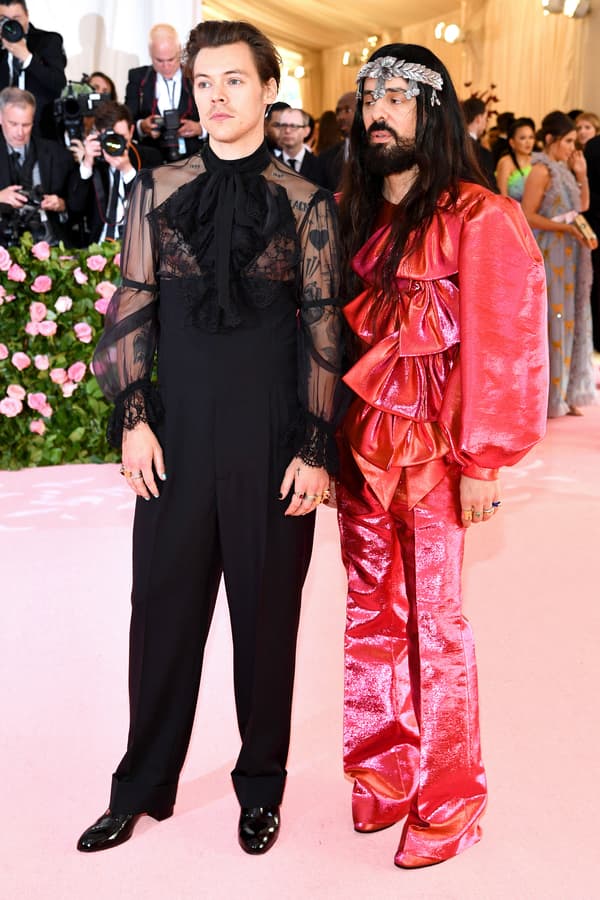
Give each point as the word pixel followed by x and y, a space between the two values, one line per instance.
pixel 532 595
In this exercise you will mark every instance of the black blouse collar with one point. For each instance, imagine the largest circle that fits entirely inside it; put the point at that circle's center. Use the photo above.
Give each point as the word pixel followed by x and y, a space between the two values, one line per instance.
pixel 254 164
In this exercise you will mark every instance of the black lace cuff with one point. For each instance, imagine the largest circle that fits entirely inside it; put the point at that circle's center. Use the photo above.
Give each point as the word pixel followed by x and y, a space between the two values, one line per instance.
pixel 139 402
pixel 313 441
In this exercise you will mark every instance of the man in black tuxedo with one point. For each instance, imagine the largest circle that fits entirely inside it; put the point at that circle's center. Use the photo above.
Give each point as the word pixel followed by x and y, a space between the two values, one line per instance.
pixel 162 86
pixel 35 174
pixel 36 64
pixel 104 179
pixel 476 117
pixel 293 130
pixel 332 160
pixel 592 156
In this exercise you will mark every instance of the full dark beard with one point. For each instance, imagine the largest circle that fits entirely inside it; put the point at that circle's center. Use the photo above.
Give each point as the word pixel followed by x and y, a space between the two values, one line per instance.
pixel 389 159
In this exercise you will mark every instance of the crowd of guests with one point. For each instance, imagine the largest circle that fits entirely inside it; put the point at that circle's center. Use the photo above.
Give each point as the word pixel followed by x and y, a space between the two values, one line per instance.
pixel 71 186
pixel 554 173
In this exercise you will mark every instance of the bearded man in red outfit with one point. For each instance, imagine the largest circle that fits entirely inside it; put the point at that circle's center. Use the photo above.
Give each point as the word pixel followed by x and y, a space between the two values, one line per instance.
pixel 450 378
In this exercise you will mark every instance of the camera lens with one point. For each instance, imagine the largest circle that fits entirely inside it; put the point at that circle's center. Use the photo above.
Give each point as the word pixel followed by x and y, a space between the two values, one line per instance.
pixel 112 143
pixel 11 30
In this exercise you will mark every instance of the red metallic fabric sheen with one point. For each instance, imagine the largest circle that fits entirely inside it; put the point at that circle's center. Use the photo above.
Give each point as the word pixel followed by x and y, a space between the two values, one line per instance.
pixel 457 366
pixel 411 732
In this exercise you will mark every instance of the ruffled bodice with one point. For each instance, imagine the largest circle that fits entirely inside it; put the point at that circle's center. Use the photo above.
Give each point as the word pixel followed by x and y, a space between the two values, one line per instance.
pixel 441 376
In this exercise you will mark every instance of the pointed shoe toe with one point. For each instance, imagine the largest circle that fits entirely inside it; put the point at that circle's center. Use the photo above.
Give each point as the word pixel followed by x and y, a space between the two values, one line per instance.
pixel 258 828
pixel 108 831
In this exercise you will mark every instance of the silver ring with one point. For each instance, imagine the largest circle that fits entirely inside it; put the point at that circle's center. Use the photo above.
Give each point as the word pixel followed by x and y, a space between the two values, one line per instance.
pixel 135 477
pixel 488 511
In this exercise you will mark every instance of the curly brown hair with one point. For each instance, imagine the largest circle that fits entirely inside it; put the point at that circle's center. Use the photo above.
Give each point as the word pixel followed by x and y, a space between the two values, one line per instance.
pixel 218 34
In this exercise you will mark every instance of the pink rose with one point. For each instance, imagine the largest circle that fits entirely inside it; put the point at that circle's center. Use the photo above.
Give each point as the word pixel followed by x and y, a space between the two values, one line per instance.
pixel 46 410
pixel 37 311
pixel 36 426
pixel 16 392
pixel 77 371
pixel 58 376
pixel 10 407
pixel 68 388
pixel 42 284
pixel 9 298
pixel 2 289
pixel 63 304
pixel 41 250
pixel 32 328
pixel 80 277
pixel 101 305
pixel 117 260
pixel 3 351
pixel 5 259
pixel 16 273
pixel 96 263
pixel 83 332
pixel 48 329
pixel 20 361
pixel 106 289
pixel 41 362
pixel 36 401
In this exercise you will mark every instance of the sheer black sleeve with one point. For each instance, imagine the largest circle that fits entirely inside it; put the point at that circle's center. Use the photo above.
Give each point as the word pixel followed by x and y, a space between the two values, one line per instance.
pixel 320 333
pixel 124 355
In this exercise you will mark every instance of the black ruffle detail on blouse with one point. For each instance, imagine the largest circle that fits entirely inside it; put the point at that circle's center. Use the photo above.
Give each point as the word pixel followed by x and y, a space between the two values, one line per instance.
pixel 140 402
pixel 227 217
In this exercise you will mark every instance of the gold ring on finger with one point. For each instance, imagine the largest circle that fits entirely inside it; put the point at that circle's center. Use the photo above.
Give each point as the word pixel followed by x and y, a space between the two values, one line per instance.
pixel 136 476
pixel 467 514
pixel 486 512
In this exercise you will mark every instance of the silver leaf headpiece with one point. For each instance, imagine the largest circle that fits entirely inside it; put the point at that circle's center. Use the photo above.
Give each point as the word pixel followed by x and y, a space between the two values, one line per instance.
pixel 387 67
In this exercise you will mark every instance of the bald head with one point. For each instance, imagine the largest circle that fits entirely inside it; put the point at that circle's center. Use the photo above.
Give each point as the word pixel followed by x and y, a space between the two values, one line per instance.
pixel 344 112
pixel 165 50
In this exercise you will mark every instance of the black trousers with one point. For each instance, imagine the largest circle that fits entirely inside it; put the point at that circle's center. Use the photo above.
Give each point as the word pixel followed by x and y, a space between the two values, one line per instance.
pixel 229 401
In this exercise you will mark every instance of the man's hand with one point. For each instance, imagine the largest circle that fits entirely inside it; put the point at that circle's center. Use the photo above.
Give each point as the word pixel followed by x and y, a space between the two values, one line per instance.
pixel 12 196
pixel 310 484
pixel 91 149
pixel 189 128
pixel 19 49
pixel 149 127
pixel 142 456
pixel 53 203
pixel 477 500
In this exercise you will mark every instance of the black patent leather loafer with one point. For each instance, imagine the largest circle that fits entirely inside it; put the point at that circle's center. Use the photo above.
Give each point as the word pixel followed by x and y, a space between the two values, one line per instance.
pixel 108 831
pixel 258 828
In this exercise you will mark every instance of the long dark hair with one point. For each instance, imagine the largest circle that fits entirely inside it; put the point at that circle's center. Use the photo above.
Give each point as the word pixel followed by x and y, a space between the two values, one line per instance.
pixel 523 122
pixel 444 156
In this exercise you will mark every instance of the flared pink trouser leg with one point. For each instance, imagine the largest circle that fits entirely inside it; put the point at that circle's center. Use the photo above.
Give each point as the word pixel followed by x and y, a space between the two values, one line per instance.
pixel 411 730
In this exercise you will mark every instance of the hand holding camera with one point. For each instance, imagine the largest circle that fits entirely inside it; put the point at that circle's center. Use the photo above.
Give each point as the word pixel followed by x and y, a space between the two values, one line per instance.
pixel 14 196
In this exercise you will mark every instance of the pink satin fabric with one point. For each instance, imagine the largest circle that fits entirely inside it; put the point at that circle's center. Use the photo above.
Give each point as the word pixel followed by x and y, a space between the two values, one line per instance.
pixel 452 379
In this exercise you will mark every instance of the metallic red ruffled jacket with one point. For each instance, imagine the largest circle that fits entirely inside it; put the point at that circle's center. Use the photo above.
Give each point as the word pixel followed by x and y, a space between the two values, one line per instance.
pixel 456 369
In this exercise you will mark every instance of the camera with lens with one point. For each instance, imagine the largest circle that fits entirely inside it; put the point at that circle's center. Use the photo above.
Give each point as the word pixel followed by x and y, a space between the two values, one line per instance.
pixel 169 124
pixel 29 217
pixel 11 30
pixel 76 102
pixel 113 143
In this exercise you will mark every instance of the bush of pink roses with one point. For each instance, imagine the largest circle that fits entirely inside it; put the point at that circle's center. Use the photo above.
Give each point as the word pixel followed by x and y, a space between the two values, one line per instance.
pixel 52 306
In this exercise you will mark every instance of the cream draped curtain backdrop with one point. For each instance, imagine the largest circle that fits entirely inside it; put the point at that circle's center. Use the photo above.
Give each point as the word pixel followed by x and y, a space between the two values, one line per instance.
pixel 538 62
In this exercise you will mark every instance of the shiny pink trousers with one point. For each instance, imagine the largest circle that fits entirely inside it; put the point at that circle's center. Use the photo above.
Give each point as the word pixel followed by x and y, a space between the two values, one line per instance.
pixel 411 730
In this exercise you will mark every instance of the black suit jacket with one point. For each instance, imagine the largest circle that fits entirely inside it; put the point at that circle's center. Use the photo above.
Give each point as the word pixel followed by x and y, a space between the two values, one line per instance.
pixel 140 97
pixel 57 170
pixel 332 164
pixel 44 76
pixel 88 198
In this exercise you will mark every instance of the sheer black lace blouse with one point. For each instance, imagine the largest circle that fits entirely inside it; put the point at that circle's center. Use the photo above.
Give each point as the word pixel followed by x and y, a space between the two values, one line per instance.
pixel 238 236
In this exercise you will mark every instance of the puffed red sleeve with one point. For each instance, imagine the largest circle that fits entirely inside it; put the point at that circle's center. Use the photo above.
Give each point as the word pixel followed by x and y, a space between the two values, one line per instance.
pixel 503 338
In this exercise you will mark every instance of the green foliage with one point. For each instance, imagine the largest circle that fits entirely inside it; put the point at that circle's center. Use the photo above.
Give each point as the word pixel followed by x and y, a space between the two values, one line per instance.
pixel 53 394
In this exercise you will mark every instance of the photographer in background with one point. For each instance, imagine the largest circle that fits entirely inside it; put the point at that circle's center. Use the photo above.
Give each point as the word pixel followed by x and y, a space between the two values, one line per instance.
pixel 35 174
pixel 161 100
pixel 110 161
pixel 34 62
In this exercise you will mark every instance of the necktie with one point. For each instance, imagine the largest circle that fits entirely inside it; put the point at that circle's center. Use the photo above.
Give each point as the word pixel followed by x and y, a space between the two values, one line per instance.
pixel 292 164
pixel 17 166
pixel 111 215
pixel 16 71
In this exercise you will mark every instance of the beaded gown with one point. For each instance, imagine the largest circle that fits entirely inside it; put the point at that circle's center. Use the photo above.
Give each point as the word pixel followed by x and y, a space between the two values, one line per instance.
pixel 230 280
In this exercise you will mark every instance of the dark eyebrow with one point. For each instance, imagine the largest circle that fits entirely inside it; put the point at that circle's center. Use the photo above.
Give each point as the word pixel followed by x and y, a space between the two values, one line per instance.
pixel 229 72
